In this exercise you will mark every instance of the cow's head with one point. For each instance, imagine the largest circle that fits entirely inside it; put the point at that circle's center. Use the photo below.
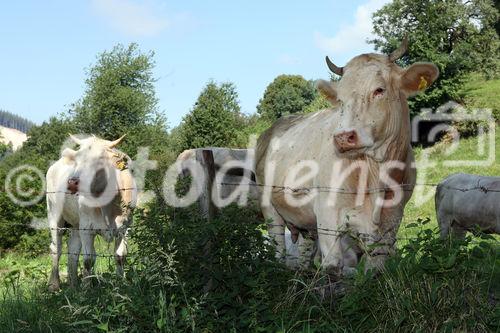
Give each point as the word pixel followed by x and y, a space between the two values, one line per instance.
pixel 93 164
pixel 371 101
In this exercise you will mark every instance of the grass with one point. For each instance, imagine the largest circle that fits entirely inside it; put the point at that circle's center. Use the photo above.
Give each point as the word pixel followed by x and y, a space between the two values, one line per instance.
pixel 467 151
pixel 16 269
pixel 478 93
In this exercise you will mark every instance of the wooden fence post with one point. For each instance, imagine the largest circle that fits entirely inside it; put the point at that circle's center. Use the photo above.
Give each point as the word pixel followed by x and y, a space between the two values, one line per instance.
pixel 207 207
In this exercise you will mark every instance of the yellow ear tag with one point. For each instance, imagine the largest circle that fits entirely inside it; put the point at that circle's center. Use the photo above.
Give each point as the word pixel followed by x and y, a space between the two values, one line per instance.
pixel 121 165
pixel 423 83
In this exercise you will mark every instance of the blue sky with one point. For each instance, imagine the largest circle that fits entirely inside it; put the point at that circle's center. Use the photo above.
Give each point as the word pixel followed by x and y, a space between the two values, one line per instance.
pixel 46 46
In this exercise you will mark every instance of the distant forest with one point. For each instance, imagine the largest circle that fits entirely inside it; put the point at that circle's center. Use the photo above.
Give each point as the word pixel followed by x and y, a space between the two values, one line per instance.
pixel 11 120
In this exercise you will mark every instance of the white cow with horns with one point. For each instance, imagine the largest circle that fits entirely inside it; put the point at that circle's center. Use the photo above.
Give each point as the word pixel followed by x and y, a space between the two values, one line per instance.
pixel 92 190
pixel 343 175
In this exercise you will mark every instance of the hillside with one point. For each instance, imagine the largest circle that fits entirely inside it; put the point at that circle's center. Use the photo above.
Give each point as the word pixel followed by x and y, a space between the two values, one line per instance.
pixel 10 120
pixel 12 135
pixel 480 93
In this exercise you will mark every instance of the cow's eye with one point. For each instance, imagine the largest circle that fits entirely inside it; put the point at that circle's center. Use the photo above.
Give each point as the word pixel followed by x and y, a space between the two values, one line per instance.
pixel 378 92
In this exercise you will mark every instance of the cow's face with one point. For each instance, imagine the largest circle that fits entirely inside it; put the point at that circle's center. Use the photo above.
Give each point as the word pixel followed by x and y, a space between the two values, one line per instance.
pixel 93 165
pixel 371 103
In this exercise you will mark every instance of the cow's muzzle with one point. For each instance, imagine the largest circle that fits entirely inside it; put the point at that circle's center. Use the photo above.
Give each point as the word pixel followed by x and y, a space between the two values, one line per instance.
pixel 346 141
pixel 73 183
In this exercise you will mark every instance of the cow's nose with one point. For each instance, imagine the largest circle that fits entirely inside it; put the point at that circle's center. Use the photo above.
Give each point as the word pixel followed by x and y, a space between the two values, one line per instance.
pixel 346 140
pixel 73 183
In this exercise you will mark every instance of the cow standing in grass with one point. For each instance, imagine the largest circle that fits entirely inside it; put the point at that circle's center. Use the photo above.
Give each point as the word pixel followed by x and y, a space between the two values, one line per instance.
pixel 467 203
pixel 329 161
pixel 92 190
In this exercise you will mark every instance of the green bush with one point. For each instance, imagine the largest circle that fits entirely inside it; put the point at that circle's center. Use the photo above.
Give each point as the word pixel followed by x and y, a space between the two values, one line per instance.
pixel 189 275
pixel 33 244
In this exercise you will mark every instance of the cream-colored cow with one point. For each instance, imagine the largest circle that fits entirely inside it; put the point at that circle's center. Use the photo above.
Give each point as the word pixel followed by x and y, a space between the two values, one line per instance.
pixel 346 172
pixel 92 190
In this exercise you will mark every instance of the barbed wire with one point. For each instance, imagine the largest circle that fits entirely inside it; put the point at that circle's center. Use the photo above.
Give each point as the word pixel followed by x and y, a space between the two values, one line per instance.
pixel 90 192
pixel 317 231
pixel 99 255
pixel 406 187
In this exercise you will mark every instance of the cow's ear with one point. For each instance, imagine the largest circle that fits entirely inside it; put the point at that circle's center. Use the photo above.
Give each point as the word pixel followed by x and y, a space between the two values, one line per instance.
pixel 418 77
pixel 68 155
pixel 327 89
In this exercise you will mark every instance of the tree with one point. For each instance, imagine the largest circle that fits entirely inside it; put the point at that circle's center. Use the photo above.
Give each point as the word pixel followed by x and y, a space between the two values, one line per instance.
pixel 319 103
pixel 497 25
pixel 120 97
pixel 287 94
pixel 11 120
pixel 215 119
pixel 43 146
pixel 458 36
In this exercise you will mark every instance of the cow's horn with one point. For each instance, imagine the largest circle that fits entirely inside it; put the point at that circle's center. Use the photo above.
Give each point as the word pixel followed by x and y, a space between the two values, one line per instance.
pixel 75 139
pixel 337 70
pixel 400 51
pixel 117 141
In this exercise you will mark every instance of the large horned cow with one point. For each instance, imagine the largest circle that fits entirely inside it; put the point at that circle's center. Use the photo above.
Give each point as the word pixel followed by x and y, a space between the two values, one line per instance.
pixel 92 190
pixel 344 174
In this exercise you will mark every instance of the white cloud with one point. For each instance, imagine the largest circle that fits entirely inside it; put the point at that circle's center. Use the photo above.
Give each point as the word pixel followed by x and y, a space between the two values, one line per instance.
pixel 286 59
pixel 351 38
pixel 132 18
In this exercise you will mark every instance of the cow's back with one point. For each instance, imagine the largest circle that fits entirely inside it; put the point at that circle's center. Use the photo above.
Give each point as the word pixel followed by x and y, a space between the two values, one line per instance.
pixel 469 200
pixel 305 128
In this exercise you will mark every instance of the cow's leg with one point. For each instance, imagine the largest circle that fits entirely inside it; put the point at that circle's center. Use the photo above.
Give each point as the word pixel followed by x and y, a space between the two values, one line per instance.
pixel 74 247
pixel 89 255
pixel 349 255
pixel 329 239
pixel 444 222
pixel 457 231
pixel 55 253
pixel 276 230
pixel 55 222
pixel 307 252
pixel 331 252
pixel 291 250
pixel 120 253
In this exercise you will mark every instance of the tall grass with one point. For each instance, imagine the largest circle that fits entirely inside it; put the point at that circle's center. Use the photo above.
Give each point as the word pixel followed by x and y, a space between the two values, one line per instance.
pixel 191 276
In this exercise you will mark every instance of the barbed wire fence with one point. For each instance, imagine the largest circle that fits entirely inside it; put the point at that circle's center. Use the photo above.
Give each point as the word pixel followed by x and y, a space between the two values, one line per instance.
pixel 209 210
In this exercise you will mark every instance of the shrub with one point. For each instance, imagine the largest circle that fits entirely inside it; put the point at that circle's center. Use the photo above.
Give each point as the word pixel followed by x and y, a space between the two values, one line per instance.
pixel 189 275
pixel 33 244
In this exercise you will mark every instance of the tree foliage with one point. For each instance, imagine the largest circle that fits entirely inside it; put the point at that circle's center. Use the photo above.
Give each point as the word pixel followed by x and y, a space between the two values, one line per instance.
pixel 40 150
pixel 120 96
pixel 458 36
pixel 10 120
pixel 287 94
pixel 119 99
pixel 215 119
